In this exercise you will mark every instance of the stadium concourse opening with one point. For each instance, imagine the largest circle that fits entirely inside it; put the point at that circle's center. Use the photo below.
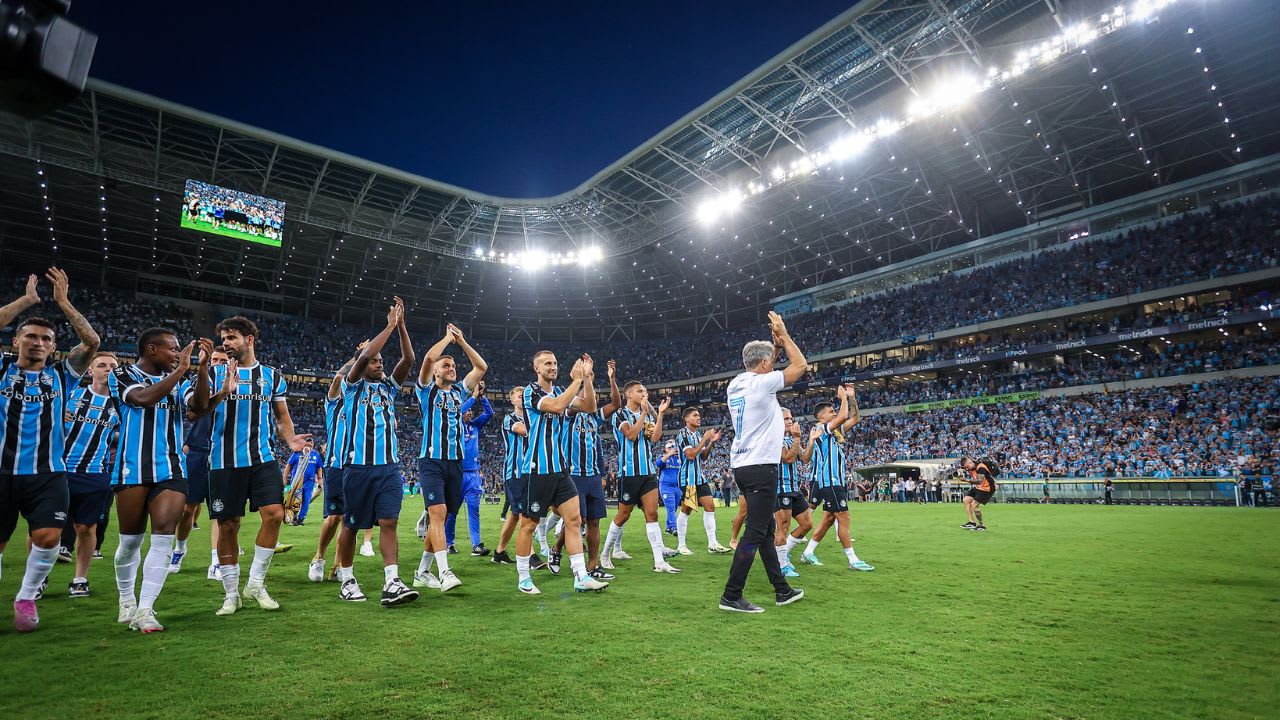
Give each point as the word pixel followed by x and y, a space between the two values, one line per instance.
pixel 960 318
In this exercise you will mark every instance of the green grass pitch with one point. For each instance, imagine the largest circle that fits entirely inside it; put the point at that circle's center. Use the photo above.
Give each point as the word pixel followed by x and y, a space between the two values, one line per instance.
pixel 1057 612
pixel 209 228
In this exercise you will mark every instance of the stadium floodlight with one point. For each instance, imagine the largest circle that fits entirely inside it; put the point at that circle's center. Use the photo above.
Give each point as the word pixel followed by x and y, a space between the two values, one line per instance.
pixel 479 251
pixel 849 146
pixel 887 127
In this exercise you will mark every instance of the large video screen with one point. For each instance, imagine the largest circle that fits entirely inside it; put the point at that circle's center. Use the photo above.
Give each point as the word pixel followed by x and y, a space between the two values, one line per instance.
pixel 223 211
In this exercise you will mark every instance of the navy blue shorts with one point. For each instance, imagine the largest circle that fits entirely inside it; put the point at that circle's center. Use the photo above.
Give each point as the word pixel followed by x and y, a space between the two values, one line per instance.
pixel 441 483
pixel 515 494
pixel 590 496
pixel 41 498
pixel 547 491
pixel 90 497
pixel 635 487
pixel 371 493
pixel 197 476
pixel 333 504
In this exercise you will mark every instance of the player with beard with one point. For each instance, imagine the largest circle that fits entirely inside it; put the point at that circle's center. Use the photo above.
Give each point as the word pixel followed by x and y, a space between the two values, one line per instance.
pixel 92 425
pixel 634 429
pixel 372 486
pixel 544 467
pixel 252 407
pixel 694 447
pixel 515 437
pixel 33 395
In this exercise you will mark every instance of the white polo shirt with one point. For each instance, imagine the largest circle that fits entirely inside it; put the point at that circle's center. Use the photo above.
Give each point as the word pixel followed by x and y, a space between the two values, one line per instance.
pixel 757 418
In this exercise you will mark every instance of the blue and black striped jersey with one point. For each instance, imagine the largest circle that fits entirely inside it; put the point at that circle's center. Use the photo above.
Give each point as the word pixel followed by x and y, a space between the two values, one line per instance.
pixel 150 446
pixel 690 470
pixel 371 422
pixel 584 439
pixel 788 477
pixel 442 431
pixel 335 428
pixel 91 426
pixel 32 433
pixel 544 453
pixel 514 445
pixel 634 456
pixel 828 459
pixel 244 423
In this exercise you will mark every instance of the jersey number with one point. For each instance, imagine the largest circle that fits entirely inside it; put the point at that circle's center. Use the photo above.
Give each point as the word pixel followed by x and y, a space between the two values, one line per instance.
pixel 738 407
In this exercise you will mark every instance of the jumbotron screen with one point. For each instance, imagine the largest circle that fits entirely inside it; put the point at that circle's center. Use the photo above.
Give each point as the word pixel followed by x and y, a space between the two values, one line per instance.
pixel 223 211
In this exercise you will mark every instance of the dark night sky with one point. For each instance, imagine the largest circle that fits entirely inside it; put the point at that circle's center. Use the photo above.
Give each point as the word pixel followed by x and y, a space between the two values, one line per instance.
pixel 521 99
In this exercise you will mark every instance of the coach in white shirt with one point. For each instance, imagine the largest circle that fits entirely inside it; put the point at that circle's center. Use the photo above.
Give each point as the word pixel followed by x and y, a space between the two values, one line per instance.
pixel 757 445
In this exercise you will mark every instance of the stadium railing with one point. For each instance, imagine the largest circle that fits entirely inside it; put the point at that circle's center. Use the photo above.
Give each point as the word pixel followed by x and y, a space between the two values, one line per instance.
pixel 1197 491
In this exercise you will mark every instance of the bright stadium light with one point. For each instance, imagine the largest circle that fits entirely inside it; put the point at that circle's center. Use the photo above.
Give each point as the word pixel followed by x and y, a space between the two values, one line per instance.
pixel 479 252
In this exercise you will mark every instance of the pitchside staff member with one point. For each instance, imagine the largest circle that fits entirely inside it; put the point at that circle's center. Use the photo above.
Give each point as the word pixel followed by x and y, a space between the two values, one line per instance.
pixel 757 445
pixel 982 476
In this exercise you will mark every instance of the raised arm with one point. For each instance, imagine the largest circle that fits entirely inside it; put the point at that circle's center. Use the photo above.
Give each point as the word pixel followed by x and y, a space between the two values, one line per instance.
pixel 656 435
pixel 586 401
pixel 560 403
pixel 433 354
pixel 486 412
pixel 615 396
pixel 401 371
pixel 797 365
pixel 374 347
pixel 843 413
pixel 478 366
pixel 200 396
pixel 806 453
pixel 78 358
pixel 854 414
pixel 29 299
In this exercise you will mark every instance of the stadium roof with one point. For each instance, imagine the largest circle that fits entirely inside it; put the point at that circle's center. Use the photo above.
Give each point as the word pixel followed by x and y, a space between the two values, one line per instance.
pixel 1129 110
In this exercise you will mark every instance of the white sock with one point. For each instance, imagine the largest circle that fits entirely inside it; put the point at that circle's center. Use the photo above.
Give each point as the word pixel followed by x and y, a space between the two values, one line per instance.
pixel 442 559
pixel 127 565
pixel 540 532
pixel 424 565
pixel 261 563
pixel 522 567
pixel 213 556
pixel 654 533
pixel 792 542
pixel 709 524
pixel 39 562
pixel 618 544
pixel 389 573
pixel 812 548
pixel 344 574
pixel 178 545
pixel 230 578
pixel 849 553
pixel 579 564
pixel 782 554
pixel 155 569
pixel 682 527
pixel 78 579
pixel 613 537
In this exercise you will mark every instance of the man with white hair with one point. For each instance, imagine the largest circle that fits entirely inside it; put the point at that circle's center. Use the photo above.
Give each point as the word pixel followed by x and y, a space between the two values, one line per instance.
pixel 757 445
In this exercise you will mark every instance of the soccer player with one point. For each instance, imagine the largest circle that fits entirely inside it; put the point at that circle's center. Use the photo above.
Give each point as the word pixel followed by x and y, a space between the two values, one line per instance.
pixel 515 436
pixel 372 486
pixel 152 397
pixel 305 466
pixel 472 424
pixel 544 467
pixel 826 454
pixel 584 469
pixel 694 447
pixel 982 476
pixel 196 450
pixel 440 396
pixel 248 412
pixel 335 428
pixel 33 394
pixel 91 428
pixel 634 429
pixel 792 504
pixel 757 445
